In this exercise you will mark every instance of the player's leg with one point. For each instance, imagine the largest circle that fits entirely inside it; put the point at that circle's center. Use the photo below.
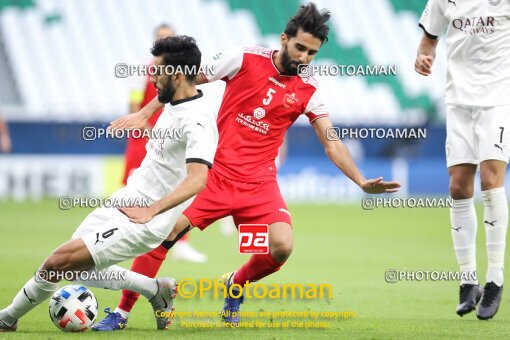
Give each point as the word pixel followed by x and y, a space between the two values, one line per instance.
pixel 72 255
pixel 463 231
pixel 492 175
pixel 259 204
pixel 262 265
pixel 463 219
pixel 148 265
pixel 204 210
pixel 79 254
pixel 75 256
pixel 119 240
pixel 111 238
pixel 258 267
pixel 494 124
pixel 160 292
pixel 462 159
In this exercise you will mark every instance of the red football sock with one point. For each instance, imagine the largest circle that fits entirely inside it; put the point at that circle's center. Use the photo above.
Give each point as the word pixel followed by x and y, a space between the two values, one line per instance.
pixel 148 265
pixel 257 267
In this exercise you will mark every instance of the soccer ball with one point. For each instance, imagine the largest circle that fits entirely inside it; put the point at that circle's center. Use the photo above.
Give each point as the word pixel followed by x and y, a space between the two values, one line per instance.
pixel 73 308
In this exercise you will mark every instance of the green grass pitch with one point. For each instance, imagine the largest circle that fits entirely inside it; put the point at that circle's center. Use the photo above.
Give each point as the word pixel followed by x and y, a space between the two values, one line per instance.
pixel 342 245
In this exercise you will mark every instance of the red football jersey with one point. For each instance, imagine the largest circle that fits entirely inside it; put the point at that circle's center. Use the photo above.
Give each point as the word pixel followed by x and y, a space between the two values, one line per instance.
pixel 259 105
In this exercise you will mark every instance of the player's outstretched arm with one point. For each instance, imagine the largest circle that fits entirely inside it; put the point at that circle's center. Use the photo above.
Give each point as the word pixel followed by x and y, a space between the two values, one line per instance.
pixel 338 153
pixel 426 55
pixel 137 120
pixel 189 187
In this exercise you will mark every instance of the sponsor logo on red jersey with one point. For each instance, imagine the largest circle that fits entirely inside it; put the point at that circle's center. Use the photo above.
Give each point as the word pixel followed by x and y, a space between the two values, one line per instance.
pixel 289 100
pixel 248 121
pixel 259 113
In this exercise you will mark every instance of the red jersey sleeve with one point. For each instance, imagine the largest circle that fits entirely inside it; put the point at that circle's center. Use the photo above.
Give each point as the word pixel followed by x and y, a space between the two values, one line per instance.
pixel 225 65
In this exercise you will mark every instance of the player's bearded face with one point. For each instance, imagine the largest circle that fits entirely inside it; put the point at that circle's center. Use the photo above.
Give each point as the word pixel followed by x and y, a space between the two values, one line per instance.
pixel 163 82
pixel 289 65
pixel 297 50
pixel 166 89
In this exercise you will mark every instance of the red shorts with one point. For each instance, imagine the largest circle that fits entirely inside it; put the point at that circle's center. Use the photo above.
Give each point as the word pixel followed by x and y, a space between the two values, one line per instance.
pixel 248 203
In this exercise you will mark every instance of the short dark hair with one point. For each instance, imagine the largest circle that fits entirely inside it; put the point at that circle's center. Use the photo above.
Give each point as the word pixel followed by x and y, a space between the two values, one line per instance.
pixel 310 20
pixel 179 51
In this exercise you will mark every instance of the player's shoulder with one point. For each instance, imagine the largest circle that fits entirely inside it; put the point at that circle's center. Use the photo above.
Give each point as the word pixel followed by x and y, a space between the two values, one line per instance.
pixel 258 50
pixel 309 81
pixel 432 5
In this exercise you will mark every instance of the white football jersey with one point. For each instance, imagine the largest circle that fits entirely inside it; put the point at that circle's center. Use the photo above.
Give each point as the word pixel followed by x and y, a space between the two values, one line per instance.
pixel 478 48
pixel 185 132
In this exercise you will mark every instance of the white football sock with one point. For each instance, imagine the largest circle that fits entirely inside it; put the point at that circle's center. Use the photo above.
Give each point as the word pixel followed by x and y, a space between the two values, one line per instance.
pixel 463 220
pixel 29 297
pixel 496 223
pixel 135 282
pixel 122 312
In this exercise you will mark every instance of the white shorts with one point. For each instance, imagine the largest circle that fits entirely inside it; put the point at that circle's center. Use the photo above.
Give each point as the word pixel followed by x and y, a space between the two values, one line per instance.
pixel 111 238
pixel 477 134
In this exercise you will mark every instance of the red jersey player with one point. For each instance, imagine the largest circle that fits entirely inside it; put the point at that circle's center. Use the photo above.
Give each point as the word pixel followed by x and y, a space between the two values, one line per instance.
pixel 263 98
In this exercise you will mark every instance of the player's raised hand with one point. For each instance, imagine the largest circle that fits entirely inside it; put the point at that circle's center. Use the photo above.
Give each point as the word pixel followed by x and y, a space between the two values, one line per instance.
pixel 138 214
pixel 423 64
pixel 131 121
pixel 378 186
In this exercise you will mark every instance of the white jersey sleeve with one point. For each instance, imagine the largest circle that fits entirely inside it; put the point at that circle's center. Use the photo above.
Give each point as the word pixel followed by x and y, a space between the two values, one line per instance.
pixel 433 21
pixel 201 135
pixel 316 107
pixel 225 65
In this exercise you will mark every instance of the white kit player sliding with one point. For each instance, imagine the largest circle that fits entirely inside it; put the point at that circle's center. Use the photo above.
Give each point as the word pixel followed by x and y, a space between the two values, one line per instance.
pixel 478 132
pixel 173 171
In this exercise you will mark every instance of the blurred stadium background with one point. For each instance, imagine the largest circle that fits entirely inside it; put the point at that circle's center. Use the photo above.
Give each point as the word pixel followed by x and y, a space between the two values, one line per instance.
pixel 57 60
pixel 57 63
